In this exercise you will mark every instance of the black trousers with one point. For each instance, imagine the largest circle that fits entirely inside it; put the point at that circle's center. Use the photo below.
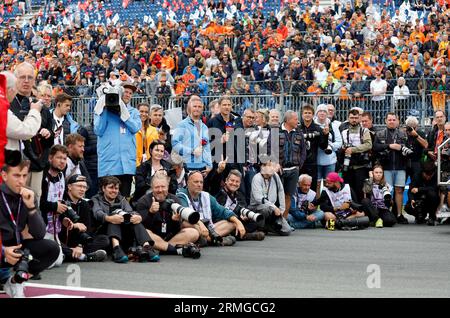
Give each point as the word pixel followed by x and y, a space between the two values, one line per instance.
pixel 414 171
pixel 44 252
pixel 429 206
pixel 100 242
pixel 125 184
pixel 374 213
pixel 127 234
pixel 355 178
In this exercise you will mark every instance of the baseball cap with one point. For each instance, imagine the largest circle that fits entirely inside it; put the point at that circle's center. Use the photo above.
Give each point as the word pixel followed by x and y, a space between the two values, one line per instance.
pixel 334 177
pixel 76 178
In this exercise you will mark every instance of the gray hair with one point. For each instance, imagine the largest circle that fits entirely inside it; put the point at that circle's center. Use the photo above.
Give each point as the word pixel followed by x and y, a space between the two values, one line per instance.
pixel 11 79
pixel 236 173
pixel 304 177
pixel 412 121
pixel 288 115
pixel 160 175
pixel 21 66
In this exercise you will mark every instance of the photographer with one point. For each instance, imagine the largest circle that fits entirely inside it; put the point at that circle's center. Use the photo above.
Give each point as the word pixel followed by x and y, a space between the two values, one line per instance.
pixel 292 153
pixel 80 243
pixel 392 153
pixel 340 201
pixel 423 195
pixel 216 222
pixel 437 135
pixel 378 199
pixel 354 156
pixel 164 225
pixel 116 123
pixel 233 199
pixel 268 198
pixel 304 212
pixel 417 142
pixel 21 230
pixel 122 225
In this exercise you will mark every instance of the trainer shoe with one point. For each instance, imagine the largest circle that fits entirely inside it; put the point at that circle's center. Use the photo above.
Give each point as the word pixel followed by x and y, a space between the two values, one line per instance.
pixel 202 241
pixel 119 256
pixel 431 222
pixel 330 225
pixel 149 254
pixel 379 223
pixel 191 251
pixel 254 236
pixel 97 256
pixel 228 240
pixel 402 220
pixel 14 290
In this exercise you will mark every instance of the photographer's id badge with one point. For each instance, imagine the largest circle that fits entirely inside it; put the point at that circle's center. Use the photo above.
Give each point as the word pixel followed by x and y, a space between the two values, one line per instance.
pixel 123 130
pixel 163 228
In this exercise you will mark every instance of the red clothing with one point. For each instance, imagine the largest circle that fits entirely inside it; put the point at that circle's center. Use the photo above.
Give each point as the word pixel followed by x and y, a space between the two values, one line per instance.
pixel 4 106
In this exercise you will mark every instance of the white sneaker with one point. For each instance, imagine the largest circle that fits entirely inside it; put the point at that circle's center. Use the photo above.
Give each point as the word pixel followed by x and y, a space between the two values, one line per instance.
pixel 14 290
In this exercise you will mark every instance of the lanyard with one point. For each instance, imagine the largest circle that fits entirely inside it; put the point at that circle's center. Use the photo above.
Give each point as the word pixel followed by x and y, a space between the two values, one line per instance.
pixel 11 216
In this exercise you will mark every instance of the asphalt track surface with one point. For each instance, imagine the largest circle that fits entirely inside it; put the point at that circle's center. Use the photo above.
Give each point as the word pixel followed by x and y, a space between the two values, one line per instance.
pixel 414 261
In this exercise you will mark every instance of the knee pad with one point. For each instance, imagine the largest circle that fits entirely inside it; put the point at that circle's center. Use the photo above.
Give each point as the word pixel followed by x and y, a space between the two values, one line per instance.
pixel 358 223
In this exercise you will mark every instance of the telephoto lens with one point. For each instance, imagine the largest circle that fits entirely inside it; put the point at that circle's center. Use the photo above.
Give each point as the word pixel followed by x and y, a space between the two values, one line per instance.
pixel 257 217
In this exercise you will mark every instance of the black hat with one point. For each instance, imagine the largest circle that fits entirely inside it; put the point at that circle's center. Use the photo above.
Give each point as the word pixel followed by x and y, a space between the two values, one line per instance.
pixel 76 178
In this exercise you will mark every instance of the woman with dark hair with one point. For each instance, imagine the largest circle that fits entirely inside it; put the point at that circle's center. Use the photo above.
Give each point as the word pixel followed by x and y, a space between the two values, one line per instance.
pixel 378 198
pixel 145 136
pixel 146 171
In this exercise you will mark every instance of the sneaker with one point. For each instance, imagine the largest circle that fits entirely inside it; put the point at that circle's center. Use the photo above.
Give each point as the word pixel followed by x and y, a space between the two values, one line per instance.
pixel 202 242
pixel 330 225
pixel 97 256
pixel 119 256
pixel 431 222
pixel 149 254
pixel 228 240
pixel 254 236
pixel 379 223
pixel 2 290
pixel 36 277
pixel 402 220
pixel 191 251
pixel 14 290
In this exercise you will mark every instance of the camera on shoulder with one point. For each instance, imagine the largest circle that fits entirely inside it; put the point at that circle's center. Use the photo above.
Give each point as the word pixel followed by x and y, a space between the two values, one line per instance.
pixel 112 99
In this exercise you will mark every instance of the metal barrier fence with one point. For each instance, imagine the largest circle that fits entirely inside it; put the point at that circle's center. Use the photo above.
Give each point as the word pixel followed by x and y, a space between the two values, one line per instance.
pixel 420 106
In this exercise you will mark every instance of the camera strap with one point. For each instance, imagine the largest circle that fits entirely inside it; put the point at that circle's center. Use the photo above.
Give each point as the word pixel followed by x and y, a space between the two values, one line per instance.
pixel 11 216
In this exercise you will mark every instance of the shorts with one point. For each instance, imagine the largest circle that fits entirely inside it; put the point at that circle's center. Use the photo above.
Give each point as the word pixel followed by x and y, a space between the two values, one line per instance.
pixel 323 171
pixel 397 178
pixel 290 181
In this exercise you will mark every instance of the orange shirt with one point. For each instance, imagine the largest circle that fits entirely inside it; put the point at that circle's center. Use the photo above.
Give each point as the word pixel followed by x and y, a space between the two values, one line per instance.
pixel 168 62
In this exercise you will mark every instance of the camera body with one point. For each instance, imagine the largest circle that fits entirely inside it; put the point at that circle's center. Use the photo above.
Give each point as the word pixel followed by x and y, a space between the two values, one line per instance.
pixel 329 150
pixel 406 151
pixel 112 99
pixel 22 266
pixel 387 197
pixel 70 212
pixel 409 129
pixel 312 135
pixel 126 215
pixel 305 207
pixel 187 214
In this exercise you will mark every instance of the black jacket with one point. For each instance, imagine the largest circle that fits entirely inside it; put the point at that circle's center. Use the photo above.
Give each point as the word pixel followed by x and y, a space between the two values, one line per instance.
pixel 394 159
pixel 153 222
pixel 144 178
pixel 314 143
pixel 90 148
pixel 292 147
pixel 35 223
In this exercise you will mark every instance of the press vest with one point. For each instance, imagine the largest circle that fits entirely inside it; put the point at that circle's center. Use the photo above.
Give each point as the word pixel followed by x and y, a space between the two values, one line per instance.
pixel 339 198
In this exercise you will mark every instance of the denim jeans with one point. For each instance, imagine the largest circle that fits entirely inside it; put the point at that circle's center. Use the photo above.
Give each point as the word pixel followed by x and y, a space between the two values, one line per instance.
pixel 297 219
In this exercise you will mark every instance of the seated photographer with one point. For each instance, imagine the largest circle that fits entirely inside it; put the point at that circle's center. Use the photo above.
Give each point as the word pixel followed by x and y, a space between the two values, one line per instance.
pixel 305 212
pixel 378 199
pixel 163 224
pixel 80 243
pixel 216 222
pixel 122 225
pixel 22 232
pixel 267 198
pixel 232 198
pixel 147 169
pixel 424 196
pixel 340 200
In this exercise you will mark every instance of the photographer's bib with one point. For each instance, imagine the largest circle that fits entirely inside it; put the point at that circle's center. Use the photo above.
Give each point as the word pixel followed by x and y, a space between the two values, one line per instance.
pixel 302 197
pixel 339 198
pixel 55 194
pixel 203 206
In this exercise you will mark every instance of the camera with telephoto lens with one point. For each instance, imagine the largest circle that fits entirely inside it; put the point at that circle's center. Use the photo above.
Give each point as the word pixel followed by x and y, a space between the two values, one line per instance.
pixel 329 150
pixel 406 151
pixel 187 214
pixel 21 268
pixel 126 215
pixel 243 212
pixel 112 99
pixel 70 213
pixel 387 197
pixel 312 135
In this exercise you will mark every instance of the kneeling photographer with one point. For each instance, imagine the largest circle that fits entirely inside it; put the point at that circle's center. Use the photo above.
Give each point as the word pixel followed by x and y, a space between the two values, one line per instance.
pixel 231 197
pixel 378 199
pixel 392 155
pixel 340 200
pixel 122 225
pixel 22 232
pixel 423 195
pixel 305 212
pixel 78 238
pixel 163 217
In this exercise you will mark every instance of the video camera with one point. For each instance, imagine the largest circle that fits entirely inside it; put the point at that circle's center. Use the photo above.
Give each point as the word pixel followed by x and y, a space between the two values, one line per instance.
pixel 112 99
pixel 187 214
pixel 21 268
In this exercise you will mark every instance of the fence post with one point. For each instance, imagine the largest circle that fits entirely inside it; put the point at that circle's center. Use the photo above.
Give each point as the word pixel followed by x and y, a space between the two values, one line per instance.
pixel 424 103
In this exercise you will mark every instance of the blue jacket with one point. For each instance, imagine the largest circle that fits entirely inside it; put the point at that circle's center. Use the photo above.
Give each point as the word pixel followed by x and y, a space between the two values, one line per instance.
pixel 218 211
pixel 116 142
pixel 185 139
